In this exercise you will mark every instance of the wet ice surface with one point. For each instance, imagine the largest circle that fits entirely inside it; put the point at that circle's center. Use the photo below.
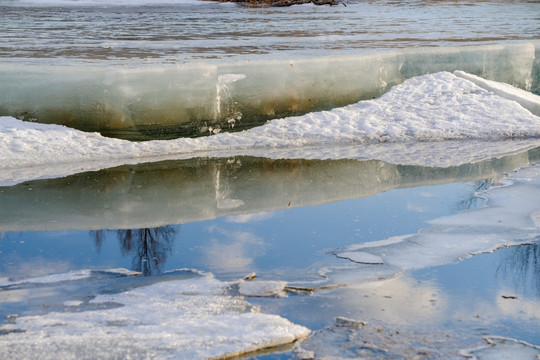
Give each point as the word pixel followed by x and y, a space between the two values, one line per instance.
pixel 501 348
pixel 473 307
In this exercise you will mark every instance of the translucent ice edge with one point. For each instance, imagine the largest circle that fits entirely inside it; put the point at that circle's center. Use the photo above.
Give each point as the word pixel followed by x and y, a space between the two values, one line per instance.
pixel 431 108
pixel 194 318
pixel 509 218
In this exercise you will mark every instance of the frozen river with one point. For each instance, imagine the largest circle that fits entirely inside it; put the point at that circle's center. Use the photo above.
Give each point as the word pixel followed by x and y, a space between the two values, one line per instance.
pixel 317 182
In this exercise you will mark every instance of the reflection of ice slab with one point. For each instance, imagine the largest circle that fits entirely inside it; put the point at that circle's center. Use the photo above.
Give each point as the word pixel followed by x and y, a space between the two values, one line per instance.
pixel 507 220
pixel 192 318
pixel 157 194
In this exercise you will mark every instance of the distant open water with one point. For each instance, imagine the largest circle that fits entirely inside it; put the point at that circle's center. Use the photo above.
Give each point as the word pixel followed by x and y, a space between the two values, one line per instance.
pixel 90 31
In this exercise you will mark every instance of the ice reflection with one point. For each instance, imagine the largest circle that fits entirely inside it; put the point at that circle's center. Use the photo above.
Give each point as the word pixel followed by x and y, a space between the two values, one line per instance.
pixel 148 246
pixel 174 192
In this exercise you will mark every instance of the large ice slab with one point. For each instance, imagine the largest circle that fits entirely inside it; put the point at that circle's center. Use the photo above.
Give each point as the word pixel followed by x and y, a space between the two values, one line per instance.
pixel 436 107
pixel 197 98
pixel 192 318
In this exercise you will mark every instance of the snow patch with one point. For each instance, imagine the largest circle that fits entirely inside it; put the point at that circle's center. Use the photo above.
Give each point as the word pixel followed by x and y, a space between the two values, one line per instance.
pixel 526 99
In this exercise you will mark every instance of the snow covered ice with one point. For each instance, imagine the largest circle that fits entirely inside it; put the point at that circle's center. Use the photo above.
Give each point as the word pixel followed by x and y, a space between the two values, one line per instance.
pixel 196 317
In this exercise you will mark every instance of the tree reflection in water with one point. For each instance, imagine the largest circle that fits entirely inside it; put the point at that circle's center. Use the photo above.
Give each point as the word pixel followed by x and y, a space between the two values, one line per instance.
pixel 149 246
pixel 522 264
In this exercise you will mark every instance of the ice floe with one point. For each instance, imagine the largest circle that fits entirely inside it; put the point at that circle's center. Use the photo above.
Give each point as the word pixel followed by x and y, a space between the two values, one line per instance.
pixel 197 317
pixel 432 108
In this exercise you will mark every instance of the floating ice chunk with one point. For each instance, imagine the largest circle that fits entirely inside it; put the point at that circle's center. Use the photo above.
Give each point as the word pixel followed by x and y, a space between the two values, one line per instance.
pixel 193 318
pixel 349 323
